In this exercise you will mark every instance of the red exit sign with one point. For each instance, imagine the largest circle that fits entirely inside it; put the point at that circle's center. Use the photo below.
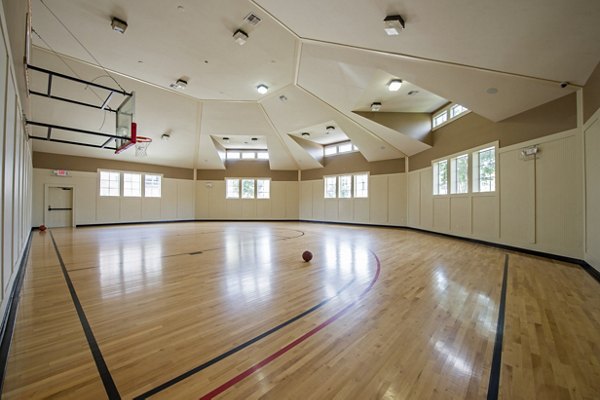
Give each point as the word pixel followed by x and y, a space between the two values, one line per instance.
pixel 60 172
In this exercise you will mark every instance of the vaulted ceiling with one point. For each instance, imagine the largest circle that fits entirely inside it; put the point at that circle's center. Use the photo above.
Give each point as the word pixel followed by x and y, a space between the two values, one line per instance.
pixel 324 62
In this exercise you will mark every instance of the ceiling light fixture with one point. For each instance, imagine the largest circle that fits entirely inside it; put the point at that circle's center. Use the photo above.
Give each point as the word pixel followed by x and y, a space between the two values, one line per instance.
pixel 118 25
pixel 305 134
pixel 413 92
pixel 283 98
pixel 165 136
pixel 240 37
pixel 329 129
pixel 226 139
pixel 180 84
pixel 394 85
pixel 254 139
pixel 262 89
pixel 376 106
pixel 393 25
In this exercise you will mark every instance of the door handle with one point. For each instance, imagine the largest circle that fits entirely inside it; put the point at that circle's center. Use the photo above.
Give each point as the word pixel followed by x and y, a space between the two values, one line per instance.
pixel 58 209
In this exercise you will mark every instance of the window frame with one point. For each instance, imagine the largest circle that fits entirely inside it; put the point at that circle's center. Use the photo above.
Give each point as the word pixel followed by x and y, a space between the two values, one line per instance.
pixel 355 186
pixel 119 186
pixel 144 189
pixel 140 189
pixel 447 110
pixel 471 176
pixel 257 192
pixel 336 146
pixel 477 150
pixel 242 193
pixel 453 174
pixel 239 191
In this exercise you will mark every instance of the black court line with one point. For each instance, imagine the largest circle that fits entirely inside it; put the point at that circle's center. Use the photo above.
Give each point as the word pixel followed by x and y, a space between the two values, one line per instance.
pixel 107 380
pixel 236 349
pixel 10 317
pixel 494 384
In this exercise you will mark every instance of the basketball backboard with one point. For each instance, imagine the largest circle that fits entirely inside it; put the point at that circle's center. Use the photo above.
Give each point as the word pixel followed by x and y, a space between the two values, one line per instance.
pixel 125 127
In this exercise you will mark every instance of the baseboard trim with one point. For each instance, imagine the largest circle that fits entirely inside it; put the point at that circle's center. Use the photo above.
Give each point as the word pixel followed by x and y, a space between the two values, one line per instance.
pixel 583 264
pixel 10 313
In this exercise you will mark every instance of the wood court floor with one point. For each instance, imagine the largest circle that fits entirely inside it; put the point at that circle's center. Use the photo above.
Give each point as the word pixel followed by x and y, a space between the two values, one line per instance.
pixel 196 310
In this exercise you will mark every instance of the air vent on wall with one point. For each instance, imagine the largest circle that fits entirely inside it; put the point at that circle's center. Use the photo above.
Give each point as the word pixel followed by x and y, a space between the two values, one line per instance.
pixel 252 19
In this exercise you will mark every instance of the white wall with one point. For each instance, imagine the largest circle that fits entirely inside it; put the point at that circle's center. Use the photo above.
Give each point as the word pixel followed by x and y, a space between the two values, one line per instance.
pixel 211 202
pixel 15 158
pixel 176 203
pixel 386 204
pixel 592 190
pixel 537 204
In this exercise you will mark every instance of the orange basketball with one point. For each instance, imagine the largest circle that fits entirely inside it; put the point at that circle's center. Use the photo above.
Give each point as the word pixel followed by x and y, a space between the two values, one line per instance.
pixel 43 227
pixel 307 256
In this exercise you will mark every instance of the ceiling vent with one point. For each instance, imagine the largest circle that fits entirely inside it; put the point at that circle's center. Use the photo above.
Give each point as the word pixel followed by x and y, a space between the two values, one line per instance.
pixel 252 19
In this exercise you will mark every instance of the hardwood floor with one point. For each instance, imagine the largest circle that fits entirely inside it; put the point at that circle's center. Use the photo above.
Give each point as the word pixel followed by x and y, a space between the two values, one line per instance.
pixel 184 310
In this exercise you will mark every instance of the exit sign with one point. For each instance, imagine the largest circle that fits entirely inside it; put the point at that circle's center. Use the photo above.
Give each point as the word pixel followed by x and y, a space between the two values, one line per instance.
pixel 60 172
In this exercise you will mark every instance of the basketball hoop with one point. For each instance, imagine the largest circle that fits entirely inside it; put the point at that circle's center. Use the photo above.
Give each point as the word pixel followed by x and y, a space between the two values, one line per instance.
pixel 141 145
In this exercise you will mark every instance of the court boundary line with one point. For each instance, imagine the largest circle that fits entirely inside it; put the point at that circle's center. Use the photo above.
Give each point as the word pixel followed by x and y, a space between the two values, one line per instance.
pixel 265 361
pixel 107 380
pixel 494 382
pixel 240 347
pixel 9 319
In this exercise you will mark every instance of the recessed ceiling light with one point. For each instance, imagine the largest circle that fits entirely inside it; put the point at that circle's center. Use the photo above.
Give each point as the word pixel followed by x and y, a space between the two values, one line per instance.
pixel 165 136
pixel 262 89
pixel 180 84
pixel 393 25
pixel 329 129
pixel 305 134
pixel 413 92
pixel 226 139
pixel 240 37
pixel 254 139
pixel 376 106
pixel 394 85
pixel 491 90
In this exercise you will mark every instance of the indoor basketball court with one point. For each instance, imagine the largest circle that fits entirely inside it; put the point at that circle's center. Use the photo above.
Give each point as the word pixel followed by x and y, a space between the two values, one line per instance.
pixel 251 199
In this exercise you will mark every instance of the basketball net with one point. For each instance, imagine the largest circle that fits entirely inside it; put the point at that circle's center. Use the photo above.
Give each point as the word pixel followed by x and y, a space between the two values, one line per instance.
pixel 141 145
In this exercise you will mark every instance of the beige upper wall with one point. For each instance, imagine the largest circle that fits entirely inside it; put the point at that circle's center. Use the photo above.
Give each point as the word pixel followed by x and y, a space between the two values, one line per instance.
pixel 415 125
pixel 246 169
pixel 591 94
pixel 353 162
pixel 74 163
pixel 472 130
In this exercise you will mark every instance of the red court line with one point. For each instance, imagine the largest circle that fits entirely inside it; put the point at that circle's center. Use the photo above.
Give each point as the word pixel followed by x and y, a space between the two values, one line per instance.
pixel 291 345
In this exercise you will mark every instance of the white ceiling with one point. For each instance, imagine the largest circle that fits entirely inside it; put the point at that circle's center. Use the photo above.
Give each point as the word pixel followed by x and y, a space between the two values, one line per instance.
pixel 329 59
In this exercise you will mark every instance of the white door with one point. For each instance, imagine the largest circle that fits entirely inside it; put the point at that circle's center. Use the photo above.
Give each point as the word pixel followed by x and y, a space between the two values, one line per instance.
pixel 60 207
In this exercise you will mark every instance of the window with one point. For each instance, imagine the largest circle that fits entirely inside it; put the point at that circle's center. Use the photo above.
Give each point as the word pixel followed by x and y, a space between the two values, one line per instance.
pixel 345 187
pixel 263 188
pixel 330 150
pixel 110 183
pixel 338 148
pixel 361 185
pixel 232 188
pixel 456 110
pixel 440 177
pixel 484 170
pixel 440 118
pixel 132 185
pixel 232 155
pixel 460 174
pixel 262 155
pixel 330 187
pixel 247 155
pixel 247 188
pixel 345 147
pixel 448 114
pixel 152 185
